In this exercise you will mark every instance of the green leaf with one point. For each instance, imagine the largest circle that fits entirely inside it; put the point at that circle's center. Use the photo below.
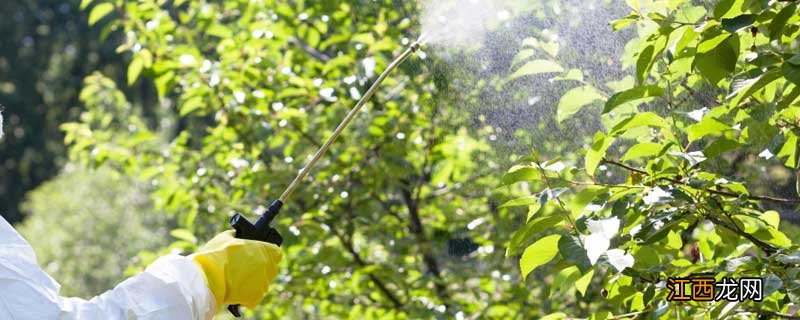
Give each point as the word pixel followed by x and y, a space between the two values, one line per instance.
pixel 674 241
pixel 583 198
pixel 791 72
pixel 190 105
pixel 521 173
pixel 523 201
pixel 644 63
pixel 745 88
pixel 715 61
pixel 564 278
pixel 134 69
pixel 778 23
pixel 772 218
pixel 788 98
pixel 709 126
pixel 633 94
pixel 638 120
pixel 575 99
pixel 789 150
pixel 219 31
pixel 536 67
pixel 708 45
pixel 555 316
pixel 642 150
pixel 728 8
pixel 596 153
pixel 733 25
pixel 99 11
pixel 538 254
pixel 183 234
pixel 523 55
pixel 85 4
pixel 571 75
pixel 583 283
pixel 719 147
pixel 685 39
pixel 532 228
pixel 771 284
pixel 572 251
pixel 619 24
pixel 634 4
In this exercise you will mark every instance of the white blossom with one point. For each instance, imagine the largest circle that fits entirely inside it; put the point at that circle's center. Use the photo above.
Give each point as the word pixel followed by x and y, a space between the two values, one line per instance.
pixel 608 228
pixel 354 93
pixel 697 115
pixel 186 59
pixel 619 259
pixel 595 244
pixel 655 195
pixel 766 154
pixel 239 96
pixel 369 66
pixel 558 166
pixel 327 94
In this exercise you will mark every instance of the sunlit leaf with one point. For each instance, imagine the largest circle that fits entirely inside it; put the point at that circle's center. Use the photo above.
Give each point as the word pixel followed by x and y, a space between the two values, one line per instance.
pixel 583 282
pixel 538 254
pixel 642 150
pixel 634 94
pixel 536 67
pixel 134 69
pixel 596 153
pixel 99 12
pixel 575 99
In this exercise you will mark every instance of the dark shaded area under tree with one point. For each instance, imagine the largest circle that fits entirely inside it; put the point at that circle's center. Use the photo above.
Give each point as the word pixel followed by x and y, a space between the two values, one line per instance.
pixel 46 50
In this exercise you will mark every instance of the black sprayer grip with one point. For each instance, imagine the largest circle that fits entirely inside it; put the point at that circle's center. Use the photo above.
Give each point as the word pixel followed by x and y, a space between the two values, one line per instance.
pixel 260 231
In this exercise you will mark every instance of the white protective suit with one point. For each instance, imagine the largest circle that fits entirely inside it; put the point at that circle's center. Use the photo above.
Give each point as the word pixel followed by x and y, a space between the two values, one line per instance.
pixel 172 287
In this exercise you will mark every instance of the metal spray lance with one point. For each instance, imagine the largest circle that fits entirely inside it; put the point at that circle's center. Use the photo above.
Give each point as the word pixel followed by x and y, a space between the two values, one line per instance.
pixel 261 230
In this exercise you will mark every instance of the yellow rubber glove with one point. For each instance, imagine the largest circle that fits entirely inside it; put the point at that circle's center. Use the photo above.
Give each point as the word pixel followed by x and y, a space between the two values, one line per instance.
pixel 238 271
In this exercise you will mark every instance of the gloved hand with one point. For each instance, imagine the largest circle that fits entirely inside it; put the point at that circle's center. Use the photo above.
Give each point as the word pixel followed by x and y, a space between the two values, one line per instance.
pixel 238 271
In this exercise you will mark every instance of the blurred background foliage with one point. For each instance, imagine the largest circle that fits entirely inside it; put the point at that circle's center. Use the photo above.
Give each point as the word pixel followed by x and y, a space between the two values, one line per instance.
pixel 183 112
pixel 86 225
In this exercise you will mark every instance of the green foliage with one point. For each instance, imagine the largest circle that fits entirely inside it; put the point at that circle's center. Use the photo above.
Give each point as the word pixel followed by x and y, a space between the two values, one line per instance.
pixel 87 228
pixel 710 81
pixel 248 90
pixel 46 49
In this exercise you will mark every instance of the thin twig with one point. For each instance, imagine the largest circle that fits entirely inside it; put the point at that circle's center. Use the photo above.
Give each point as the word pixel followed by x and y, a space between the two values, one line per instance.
pixel 348 245
pixel 717 192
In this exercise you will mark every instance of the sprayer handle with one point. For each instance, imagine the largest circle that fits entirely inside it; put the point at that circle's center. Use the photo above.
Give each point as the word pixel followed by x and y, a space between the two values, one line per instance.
pixel 260 231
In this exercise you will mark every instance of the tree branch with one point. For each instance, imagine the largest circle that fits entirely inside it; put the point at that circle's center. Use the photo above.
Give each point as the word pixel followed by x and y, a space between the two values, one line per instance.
pixel 415 227
pixel 717 192
pixel 310 50
pixel 769 249
pixel 348 245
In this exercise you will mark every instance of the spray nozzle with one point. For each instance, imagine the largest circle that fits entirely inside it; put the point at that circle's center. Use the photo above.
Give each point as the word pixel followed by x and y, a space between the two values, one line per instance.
pixel 415 46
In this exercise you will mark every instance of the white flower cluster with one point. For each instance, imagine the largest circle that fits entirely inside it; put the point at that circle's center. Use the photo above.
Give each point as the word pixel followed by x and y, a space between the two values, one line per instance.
pixel 599 240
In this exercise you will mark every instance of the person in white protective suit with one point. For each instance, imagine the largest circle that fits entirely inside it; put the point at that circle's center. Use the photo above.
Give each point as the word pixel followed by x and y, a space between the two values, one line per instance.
pixel 225 271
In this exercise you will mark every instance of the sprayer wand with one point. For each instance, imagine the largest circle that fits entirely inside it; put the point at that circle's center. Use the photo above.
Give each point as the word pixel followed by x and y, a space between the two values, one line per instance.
pixel 261 230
